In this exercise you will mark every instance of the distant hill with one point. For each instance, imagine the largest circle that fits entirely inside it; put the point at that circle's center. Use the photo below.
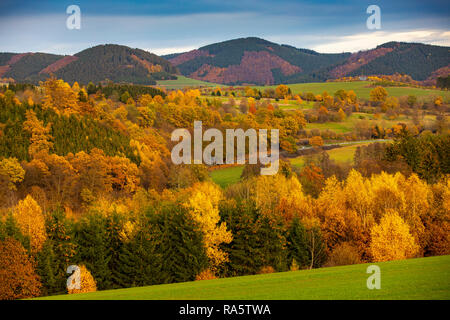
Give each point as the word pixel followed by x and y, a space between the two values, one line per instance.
pixel 257 61
pixel 104 62
pixel 418 60
pixel 253 60
pixel 240 61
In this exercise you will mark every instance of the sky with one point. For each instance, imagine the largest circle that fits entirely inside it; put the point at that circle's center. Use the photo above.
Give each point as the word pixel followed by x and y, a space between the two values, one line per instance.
pixel 171 26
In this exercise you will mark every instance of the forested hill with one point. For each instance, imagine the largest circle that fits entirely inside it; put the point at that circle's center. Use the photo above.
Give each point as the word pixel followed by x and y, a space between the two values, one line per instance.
pixel 104 62
pixel 253 60
pixel 257 61
pixel 240 61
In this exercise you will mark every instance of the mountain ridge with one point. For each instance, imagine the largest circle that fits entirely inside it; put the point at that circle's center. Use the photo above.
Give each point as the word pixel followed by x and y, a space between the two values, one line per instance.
pixel 108 62
pixel 248 60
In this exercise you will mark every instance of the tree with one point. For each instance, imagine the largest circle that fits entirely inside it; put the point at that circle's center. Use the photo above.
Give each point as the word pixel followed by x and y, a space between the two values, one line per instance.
pixel 31 222
pixel 344 254
pixel 391 103
pixel 342 114
pixel 57 253
pixel 18 279
pixel 203 205
pixel 178 242
pixel 281 91
pixel 316 141
pixel 60 97
pixel 378 94
pixel 411 100
pixel 391 239
pixel 93 248
pixel 258 240
pixel 11 173
pixel 40 135
pixel 297 244
pixel 138 262
pixel 87 282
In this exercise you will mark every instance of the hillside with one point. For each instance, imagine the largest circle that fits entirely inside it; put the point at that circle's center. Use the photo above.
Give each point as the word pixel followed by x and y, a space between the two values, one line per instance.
pixel 253 60
pixel 239 61
pixel 257 61
pixel 104 62
pixel 424 278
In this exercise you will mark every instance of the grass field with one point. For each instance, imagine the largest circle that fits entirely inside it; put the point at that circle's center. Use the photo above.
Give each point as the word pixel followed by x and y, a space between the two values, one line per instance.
pixel 226 176
pixel 342 154
pixel 349 124
pixel 422 278
pixel 182 82
pixel 361 88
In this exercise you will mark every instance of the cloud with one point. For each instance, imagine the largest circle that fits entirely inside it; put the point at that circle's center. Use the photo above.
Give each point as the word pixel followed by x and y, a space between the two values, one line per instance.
pixel 369 40
pixel 164 51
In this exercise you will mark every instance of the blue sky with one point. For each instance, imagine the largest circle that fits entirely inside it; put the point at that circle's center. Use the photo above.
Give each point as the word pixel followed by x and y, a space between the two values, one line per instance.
pixel 175 26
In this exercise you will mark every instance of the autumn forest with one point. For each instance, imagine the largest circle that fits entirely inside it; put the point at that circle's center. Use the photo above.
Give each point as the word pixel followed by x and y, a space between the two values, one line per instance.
pixel 86 179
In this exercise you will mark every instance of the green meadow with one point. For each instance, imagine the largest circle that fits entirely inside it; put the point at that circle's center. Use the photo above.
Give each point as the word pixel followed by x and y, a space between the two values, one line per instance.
pixel 421 278
pixel 226 176
pixel 182 82
pixel 361 88
pixel 351 122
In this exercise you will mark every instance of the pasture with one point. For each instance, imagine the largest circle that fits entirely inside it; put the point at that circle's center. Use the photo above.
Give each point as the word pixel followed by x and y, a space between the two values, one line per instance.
pixel 421 278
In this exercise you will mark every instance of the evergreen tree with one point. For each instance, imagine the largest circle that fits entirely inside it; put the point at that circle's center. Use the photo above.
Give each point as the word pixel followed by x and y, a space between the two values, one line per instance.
pixel 179 243
pixel 57 254
pixel 93 248
pixel 297 243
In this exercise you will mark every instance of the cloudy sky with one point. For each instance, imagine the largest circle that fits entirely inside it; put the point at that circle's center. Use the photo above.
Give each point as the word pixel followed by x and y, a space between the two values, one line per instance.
pixel 175 26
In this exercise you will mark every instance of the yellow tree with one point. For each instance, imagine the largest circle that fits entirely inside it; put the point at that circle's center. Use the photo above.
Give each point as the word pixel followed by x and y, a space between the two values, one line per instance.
pixel 359 196
pixel 40 135
pixel 282 91
pixel 87 282
pixel 31 222
pixel 316 141
pixel 11 173
pixel 293 203
pixel 378 94
pixel 342 115
pixel 391 239
pixel 387 193
pixel 203 204
pixel 60 97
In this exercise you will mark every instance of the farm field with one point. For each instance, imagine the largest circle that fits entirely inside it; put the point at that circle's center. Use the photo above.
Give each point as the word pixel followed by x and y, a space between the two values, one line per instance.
pixel 182 82
pixel 361 88
pixel 349 124
pixel 226 176
pixel 421 278
pixel 342 154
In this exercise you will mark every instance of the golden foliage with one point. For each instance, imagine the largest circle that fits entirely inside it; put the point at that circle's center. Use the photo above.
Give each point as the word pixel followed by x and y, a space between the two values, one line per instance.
pixel 266 269
pixel 11 173
pixel 391 239
pixel 18 279
pixel 87 284
pixel 60 97
pixel 31 222
pixel 206 275
pixel 40 135
pixel 203 204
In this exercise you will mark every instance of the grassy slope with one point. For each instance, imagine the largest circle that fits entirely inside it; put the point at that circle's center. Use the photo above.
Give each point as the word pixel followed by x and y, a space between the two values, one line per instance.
pixel 182 82
pixel 349 124
pixel 361 89
pixel 422 278
pixel 224 177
